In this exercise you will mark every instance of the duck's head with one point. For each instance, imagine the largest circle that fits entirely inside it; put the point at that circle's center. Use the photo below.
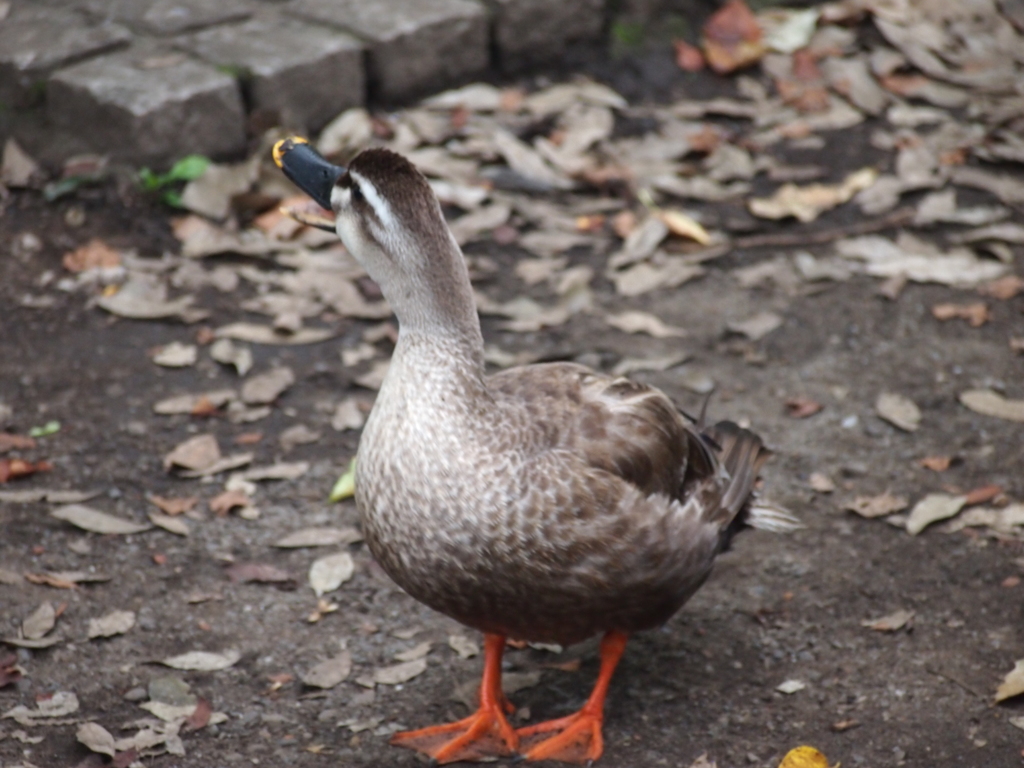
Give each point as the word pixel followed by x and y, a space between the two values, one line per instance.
pixel 391 222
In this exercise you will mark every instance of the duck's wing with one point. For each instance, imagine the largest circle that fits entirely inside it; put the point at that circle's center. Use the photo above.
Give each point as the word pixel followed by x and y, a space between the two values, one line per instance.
pixel 632 431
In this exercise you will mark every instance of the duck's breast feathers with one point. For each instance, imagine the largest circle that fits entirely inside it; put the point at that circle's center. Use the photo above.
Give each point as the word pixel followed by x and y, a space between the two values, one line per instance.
pixel 628 429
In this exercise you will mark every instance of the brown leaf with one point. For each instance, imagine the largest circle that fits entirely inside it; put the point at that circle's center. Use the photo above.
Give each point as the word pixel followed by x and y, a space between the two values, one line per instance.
pixel 223 503
pixel 732 38
pixel 10 672
pixel 123 759
pixel 92 255
pixel 50 580
pixel 1004 288
pixel 802 407
pixel 936 463
pixel 9 442
pixel 200 718
pixel 243 573
pixel 688 57
pixel 805 88
pixel 982 495
pixel 844 725
pixel 976 314
pixel 11 469
pixel 174 506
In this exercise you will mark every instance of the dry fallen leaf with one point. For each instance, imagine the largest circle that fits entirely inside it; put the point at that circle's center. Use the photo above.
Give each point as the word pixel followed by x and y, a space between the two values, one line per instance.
pixel 416 652
pixel 1003 289
pixel 877 506
pixel 400 673
pixel 688 57
pixel 90 519
pixel 95 254
pixel 176 355
pixel 1013 683
pixel 17 168
pixel 200 404
pixel 919 260
pixel 821 482
pixel 634 321
pixel 244 573
pixel 681 225
pixel 224 502
pixel 890 623
pixel 757 327
pixel 989 403
pixel 463 646
pixel 329 673
pixel 196 453
pixel 732 38
pixel 790 686
pixel 319 537
pixel 11 469
pixel 802 407
pixel 60 704
pixel 328 573
pixel 807 203
pixel 976 314
pixel 203 661
pixel 898 410
pixel 113 623
pixel 39 622
pixel 96 738
pixel 936 463
pixel 933 508
pixel 268 386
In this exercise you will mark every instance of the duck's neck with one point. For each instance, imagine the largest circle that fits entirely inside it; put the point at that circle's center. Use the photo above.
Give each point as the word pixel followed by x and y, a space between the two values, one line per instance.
pixel 435 308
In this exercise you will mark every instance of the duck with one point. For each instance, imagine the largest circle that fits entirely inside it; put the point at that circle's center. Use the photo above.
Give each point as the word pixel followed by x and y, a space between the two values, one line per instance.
pixel 543 503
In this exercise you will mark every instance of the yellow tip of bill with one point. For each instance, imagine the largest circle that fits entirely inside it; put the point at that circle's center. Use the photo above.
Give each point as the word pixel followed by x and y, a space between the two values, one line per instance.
pixel 282 147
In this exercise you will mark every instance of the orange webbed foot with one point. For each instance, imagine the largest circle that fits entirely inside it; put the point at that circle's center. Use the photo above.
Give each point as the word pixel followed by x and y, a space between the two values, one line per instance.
pixel 577 739
pixel 485 733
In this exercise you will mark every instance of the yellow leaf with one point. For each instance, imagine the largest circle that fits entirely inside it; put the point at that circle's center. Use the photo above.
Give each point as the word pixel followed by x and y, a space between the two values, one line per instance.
pixel 683 226
pixel 345 487
pixel 804 757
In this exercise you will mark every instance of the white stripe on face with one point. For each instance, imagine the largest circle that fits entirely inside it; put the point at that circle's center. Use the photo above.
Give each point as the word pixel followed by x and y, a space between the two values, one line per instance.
pixel 373 197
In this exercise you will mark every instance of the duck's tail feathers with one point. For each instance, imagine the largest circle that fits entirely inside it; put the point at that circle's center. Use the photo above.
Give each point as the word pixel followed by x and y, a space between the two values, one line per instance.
pixel 766 516
pixel 742 454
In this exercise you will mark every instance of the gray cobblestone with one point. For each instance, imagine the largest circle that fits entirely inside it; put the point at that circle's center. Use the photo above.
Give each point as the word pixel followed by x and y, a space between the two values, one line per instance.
pixel 414 45
pixel 169 17
pixel 529 32
pixel 148 115
pixel 35 41
pixel 305 74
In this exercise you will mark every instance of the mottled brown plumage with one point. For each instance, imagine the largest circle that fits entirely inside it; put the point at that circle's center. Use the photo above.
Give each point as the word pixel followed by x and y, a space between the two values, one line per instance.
pixel 546 502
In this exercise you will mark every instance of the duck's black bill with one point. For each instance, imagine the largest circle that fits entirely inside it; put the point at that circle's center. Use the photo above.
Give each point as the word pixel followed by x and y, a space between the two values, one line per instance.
pixel 307 168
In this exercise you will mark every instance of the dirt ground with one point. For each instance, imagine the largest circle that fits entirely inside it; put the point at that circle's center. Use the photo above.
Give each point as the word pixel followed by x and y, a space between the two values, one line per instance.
pixel 777 608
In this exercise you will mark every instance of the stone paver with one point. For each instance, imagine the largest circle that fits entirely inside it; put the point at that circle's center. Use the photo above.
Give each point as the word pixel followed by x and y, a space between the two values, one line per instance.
pixel 414 45
pixel 306 74
pixel 152 80
pixel 530 32
pixel 35 41
pixel 170 17
pixel 149 115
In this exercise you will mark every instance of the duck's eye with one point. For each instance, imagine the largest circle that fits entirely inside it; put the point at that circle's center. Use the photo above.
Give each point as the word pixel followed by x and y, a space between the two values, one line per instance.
pixel 357 194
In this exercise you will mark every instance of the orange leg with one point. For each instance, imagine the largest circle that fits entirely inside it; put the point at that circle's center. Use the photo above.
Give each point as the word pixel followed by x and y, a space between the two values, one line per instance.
pixel 485 733
pixel 578 738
